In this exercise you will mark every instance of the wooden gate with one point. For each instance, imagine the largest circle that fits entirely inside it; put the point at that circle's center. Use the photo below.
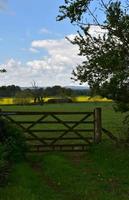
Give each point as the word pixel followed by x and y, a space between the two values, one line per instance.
pixel 57 131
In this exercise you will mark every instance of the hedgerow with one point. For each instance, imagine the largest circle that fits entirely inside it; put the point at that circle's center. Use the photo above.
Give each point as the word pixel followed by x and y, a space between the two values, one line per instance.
pixel 12 148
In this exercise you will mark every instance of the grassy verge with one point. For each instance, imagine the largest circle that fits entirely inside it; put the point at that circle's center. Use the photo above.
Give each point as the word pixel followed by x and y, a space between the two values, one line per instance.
pixel 101 174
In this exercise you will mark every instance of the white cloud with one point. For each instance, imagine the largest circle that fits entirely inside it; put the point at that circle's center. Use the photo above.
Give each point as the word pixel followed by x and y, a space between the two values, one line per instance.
pixel 97 31
pixel 45 31
pixel 17 73
pixel 53 69
pixel 49 32
pixel 59 50
pixel 61 60
pixel 33 50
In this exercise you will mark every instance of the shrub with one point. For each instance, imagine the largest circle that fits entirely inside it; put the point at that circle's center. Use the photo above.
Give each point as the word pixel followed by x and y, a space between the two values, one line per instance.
pixel 126 127
pixel 4 165
pixel 12 147
pixel 13 140
pixel 23 98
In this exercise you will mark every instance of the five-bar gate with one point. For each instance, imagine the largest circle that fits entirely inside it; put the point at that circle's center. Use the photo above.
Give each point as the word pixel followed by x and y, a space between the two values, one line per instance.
pixel 57 131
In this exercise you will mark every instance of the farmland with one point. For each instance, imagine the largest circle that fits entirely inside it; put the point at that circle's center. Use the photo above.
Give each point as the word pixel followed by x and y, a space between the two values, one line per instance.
pixel 77 99
pixel 110 119
pixel 98 174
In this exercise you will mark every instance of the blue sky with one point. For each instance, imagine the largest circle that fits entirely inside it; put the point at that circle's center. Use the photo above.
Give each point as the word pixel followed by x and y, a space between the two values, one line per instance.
pixel 33 45
pixel 25 21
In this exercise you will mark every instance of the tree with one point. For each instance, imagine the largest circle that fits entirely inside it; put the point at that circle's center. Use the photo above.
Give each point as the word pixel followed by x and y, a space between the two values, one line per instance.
pixel 23 97
pixel 3 70
pixel 9 91
pixel 58 91
pixel 106 55
pixel 37 93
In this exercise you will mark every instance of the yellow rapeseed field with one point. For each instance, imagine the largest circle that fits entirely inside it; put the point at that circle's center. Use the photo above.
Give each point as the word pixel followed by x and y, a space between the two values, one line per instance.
pixel 90 99
pixel 7 101
pixel 10 101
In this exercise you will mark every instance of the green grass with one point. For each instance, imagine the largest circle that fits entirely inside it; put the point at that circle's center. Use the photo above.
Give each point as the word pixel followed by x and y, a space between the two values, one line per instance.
pixel 110 119
pixel 99 174
pixel 27 184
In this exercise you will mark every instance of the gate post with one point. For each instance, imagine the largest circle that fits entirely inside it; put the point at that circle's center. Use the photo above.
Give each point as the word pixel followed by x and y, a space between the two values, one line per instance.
pixel 97 125
pixel 1 132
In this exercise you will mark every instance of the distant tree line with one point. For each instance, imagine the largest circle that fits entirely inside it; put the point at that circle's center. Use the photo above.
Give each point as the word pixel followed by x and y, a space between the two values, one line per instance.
pixel 39 93
pixel 63 91
pixel 9 91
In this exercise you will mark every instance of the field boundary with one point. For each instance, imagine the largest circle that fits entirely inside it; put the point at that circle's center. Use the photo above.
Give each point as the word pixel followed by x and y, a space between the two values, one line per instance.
pixel 58 141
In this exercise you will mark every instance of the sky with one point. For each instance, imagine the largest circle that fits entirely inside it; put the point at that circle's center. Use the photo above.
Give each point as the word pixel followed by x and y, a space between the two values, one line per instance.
pixel 33 45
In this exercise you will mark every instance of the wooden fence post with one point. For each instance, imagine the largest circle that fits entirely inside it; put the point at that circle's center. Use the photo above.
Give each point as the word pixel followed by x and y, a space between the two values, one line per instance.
pixel 1 132
pixel 97 125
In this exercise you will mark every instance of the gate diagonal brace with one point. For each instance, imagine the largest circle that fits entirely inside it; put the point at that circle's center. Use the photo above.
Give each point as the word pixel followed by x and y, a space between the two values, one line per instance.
pixel 36 122
pixel 25 130
pixel 70 129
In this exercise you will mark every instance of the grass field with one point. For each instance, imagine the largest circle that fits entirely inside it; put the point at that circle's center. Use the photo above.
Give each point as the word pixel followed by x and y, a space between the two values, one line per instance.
pixel 99 174
pixel 110 119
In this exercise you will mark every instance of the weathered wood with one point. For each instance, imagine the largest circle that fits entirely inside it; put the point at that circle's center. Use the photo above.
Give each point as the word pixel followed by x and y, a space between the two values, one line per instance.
pixel 55 122
pixel 70 128
pixel 51 150
pixel 97 125
pixel 44 113
pixel 110 135
pixel 52 138
pixel 52 143
pixel 65 148
pixel 37 121
pixel 24 129
pixel 60 130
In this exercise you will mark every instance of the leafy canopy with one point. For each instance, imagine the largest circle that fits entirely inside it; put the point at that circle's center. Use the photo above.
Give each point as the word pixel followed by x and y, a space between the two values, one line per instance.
pixel 106 55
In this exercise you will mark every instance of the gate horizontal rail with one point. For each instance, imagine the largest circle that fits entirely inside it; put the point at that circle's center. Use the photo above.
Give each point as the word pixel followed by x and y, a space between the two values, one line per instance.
pixel 72 129
pixel 53 122
pixel 43 113
pixel 52 138
pixel 64 148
